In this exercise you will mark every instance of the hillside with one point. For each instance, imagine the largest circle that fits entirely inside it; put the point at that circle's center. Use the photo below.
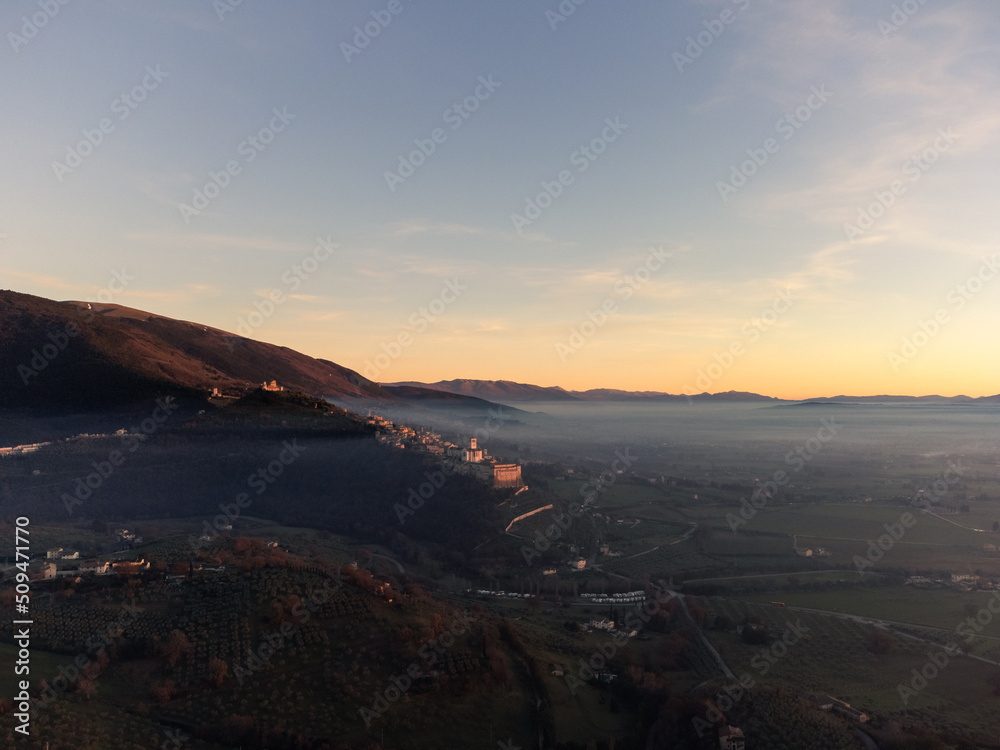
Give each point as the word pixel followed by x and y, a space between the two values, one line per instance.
pixel 78 355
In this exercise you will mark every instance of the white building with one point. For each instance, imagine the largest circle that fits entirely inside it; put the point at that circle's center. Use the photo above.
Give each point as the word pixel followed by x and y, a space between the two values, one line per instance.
pixel 731 738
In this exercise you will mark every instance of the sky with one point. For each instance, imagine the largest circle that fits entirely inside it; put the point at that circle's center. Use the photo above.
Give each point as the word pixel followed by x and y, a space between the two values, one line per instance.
pixel 791 198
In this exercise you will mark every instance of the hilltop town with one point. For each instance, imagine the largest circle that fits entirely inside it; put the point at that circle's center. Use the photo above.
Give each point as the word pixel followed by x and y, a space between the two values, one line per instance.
pixel 471 460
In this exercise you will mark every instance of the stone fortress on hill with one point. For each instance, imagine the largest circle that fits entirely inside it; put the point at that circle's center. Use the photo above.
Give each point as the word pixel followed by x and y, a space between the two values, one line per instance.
pixel 480 464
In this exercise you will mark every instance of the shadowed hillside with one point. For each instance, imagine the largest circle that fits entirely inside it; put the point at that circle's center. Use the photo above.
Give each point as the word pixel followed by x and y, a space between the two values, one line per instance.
pixel 77 355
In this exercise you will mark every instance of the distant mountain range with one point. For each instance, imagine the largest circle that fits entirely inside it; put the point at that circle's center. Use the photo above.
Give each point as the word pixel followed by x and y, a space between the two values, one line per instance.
pixel 506 390
pixel 79 355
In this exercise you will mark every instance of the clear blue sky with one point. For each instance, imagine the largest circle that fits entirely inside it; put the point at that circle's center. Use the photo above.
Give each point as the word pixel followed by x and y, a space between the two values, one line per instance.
pixel 865 93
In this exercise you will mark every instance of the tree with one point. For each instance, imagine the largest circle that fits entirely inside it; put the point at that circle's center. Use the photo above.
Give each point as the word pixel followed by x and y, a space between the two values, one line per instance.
pixel 699 615
pixel 880 642
pixel 217 670
pixel 177 645
pixel 163 691
pixel 178 569
pixel 86 686
pixel 756 634
pixel 673 647
pixel 723 622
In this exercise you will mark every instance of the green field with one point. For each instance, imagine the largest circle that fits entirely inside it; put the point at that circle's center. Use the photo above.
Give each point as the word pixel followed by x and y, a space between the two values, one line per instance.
pixel 782 581
pixel 862 522
pixel 939 608
pixel 833 656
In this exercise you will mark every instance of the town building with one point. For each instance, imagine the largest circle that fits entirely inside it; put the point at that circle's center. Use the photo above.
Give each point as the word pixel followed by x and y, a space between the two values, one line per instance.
pixel 475 461
pixel 128 567
pixel 473 454
pixel 41 571
pixel 94 567
pixel 507 475
pixel 731 738
pixel 18 450
pixel 58 553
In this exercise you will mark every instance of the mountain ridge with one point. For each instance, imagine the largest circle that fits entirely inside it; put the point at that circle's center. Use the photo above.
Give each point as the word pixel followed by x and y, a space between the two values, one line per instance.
pixel 494 389
pixel 78 354
pixel 92 355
